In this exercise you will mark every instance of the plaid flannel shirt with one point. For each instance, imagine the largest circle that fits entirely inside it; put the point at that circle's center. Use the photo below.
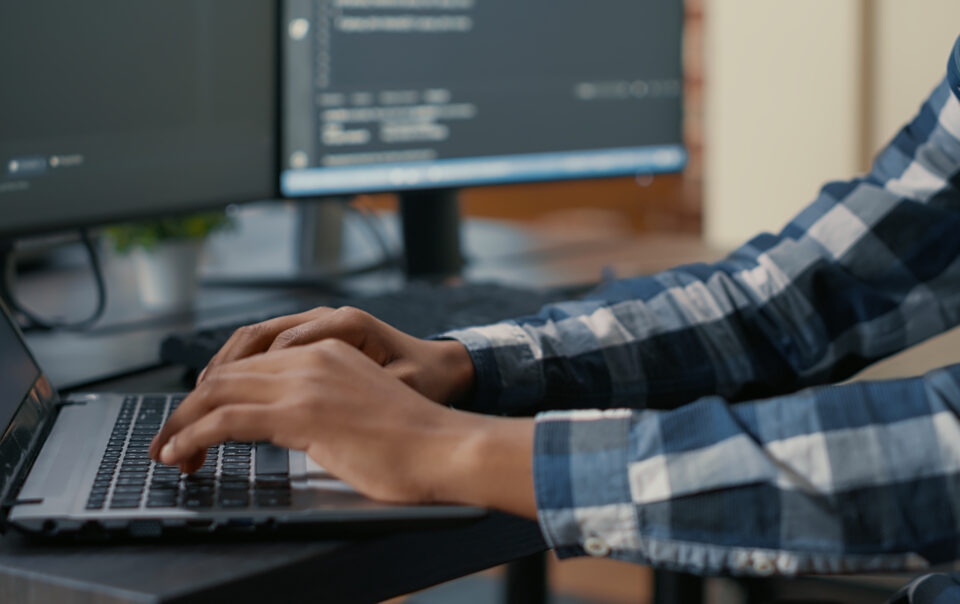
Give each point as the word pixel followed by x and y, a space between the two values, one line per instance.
pixel 671 458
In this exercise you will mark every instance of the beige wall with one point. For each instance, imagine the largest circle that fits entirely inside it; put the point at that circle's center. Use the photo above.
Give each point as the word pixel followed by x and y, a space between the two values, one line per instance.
pixel 803 92
pixel 781 98
pixel 911 42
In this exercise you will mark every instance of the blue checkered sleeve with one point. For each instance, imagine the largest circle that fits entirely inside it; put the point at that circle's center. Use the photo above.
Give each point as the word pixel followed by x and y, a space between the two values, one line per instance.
pixel 869 268
pixel 853 478
pixel 838 479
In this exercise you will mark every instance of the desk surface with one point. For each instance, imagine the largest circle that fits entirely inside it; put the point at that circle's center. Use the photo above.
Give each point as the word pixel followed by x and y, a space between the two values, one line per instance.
pixel 365 570
pixel 350 571
pixel 362 570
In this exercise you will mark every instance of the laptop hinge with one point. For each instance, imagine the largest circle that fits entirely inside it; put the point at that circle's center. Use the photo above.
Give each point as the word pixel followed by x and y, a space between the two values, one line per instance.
pixel 70 403
pixel 8 498
pixel 35 501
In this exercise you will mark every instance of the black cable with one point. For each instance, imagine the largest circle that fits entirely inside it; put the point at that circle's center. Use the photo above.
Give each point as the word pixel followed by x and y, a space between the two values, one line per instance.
pixel 372 222
pixel 324 279
pixel 34 321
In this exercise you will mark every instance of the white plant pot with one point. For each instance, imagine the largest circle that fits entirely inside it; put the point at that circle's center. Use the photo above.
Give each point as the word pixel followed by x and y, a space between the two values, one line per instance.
pixel 167 274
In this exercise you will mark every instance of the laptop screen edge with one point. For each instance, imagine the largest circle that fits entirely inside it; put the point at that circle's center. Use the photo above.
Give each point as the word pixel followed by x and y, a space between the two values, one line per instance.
pixel 31 413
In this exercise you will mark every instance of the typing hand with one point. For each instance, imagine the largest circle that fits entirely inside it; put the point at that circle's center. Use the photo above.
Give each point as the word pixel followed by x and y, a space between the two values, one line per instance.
pixel 351 416
pixel 440 370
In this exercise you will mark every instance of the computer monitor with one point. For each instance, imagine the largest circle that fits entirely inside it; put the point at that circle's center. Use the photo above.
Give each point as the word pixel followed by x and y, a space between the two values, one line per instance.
pixel 116 110
pixel 406 94
pixel 415 96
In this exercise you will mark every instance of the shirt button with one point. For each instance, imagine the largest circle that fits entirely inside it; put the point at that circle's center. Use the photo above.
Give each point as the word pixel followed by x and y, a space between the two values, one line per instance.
pixel 596 546
pixel 762 565
pixel 741 560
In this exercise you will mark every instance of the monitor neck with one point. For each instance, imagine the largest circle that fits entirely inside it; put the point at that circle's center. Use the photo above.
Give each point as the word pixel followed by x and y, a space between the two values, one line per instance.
pixel 431 233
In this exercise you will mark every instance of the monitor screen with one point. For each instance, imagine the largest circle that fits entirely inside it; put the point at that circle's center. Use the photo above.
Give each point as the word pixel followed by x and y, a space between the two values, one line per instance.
pixel 410 94
pixel 124 108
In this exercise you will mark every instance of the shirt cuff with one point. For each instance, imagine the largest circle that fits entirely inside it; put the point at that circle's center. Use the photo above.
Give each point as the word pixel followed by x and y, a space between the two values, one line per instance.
pixel 486 376
pixel 580 479
pixel 509 378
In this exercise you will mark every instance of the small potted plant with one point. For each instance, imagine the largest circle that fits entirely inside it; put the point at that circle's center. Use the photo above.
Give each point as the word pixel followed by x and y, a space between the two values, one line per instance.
pixel 166 254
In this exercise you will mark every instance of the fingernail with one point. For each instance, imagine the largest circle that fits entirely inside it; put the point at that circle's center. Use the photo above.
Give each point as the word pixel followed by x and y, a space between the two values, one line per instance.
pixel 166 454
pixel 200 377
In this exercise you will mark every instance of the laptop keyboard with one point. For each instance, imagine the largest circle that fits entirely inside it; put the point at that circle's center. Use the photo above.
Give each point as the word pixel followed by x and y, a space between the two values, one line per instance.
pixel 234 475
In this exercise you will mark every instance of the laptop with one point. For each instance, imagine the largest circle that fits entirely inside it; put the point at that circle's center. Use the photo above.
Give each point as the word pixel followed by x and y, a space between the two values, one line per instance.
pixel 79 466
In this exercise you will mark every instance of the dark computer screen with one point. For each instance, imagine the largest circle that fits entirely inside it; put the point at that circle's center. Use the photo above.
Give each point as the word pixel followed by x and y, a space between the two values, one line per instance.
pixel 124 108
pixel 401 94
pixel 18 372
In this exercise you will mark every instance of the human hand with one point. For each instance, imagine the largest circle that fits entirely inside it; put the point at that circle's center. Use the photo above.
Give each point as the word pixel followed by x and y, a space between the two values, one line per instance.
pixel 351 416
pixel 440 370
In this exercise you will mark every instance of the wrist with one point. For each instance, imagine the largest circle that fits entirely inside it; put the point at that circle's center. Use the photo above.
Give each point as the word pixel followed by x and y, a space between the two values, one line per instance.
pixel 489 464
pixel 459 371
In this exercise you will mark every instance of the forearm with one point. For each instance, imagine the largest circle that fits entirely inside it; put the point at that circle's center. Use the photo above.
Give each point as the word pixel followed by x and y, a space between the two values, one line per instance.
pixel 842 479
pixel 866 270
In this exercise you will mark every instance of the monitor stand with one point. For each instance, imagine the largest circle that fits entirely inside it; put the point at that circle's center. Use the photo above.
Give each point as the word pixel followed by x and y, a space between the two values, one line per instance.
pixel 319 234
pixel 429 228
pixel 431 233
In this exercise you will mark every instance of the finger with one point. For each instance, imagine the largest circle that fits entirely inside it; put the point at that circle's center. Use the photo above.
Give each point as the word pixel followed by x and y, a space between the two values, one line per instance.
pixel 262 363
pixel 233 422
pixel 254 388
pixel 350 325
pixel 194 463
pixel 253 339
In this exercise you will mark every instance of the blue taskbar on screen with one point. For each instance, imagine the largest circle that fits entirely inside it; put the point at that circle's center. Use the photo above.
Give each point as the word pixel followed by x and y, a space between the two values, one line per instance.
pixel 475 171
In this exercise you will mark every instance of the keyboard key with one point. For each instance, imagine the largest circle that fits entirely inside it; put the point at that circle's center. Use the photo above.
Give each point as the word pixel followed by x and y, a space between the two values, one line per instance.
pixel 196 503
pixel 223 479
pixel 234 502
pixel 233 487
pixel 272 459
pixel 131 482
pixel 124 505
pixel 161 503
pixel 271 501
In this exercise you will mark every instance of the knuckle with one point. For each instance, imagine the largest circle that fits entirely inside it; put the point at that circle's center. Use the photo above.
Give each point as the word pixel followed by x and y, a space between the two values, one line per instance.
pixel 211 384
pixel 351 316
pixel 332 350
pixel 288 337
pixel 212 373
pixel 336 346
pixel 248 332
pixel 320 351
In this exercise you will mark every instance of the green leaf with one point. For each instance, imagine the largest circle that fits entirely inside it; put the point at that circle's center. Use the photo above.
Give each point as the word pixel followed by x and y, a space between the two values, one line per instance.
pixel 148 234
